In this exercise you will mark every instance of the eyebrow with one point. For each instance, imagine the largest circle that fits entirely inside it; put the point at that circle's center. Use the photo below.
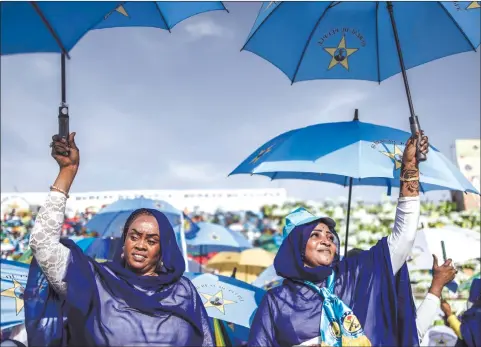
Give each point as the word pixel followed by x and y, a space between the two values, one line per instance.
pixel 326 230
pixel 141 233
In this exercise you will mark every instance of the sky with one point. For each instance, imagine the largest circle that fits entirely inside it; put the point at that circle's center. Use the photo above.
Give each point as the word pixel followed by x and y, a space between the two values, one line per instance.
pixel 154 110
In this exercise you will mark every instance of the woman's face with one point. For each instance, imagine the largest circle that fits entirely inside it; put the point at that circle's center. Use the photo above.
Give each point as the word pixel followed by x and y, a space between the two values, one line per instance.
pixel 320 248
pixel 142 245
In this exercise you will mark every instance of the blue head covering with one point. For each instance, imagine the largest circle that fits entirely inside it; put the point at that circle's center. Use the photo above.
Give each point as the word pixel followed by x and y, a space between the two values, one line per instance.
pixel 475 290
pixel 95 288
pixel 289 261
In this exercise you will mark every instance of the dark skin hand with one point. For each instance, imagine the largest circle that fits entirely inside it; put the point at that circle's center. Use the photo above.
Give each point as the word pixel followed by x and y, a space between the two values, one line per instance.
pixel 446 308
pixel 442 275
pixel 67 155
pixel 410 165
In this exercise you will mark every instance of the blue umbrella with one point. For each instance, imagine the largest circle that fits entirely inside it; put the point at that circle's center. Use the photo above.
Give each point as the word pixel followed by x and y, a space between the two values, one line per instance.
pixel 268 278
pixel 226 298
pixel 364 40
pixel 13 280
pixel 156 14
pixel 31 27
pixel 110 220
pixel 351 153
pixel 216 238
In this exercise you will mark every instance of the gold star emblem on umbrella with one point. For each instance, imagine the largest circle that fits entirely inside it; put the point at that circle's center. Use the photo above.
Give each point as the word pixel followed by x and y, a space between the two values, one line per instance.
pixel 396 156
pixel 261 154
pixel 120 9
pixel 473 5
pixel 15 292
pixel 217 300
pixel 340 54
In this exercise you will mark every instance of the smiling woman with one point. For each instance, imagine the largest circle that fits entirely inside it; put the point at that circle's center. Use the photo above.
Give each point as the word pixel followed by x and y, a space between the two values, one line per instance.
pixel 139 298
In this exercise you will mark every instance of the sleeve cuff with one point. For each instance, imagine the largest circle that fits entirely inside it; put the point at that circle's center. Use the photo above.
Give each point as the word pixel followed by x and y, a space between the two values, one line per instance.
pixel 433 298
pixel 57 194
pixel 409 198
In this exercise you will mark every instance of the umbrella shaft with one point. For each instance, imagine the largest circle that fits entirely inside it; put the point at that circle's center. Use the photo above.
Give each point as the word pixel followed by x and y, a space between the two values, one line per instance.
pixel 63 79
pixel 400 56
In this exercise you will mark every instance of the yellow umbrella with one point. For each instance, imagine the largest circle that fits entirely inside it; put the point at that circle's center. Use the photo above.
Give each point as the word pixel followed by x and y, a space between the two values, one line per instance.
pixel 249 263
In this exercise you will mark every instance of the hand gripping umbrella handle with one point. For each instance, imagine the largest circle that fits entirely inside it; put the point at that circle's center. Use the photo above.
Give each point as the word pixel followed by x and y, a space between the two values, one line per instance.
pixel 416 128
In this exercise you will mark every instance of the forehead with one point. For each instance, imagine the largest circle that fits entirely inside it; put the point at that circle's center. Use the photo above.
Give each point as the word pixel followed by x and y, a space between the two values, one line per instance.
pixel 321 227
pixel 145 223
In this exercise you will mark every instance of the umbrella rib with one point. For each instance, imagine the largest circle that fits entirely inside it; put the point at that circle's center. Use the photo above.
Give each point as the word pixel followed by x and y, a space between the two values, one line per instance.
pixel 265 20
pixel 309 41
pixel 49 27
pixel 457 25
pixel 162 16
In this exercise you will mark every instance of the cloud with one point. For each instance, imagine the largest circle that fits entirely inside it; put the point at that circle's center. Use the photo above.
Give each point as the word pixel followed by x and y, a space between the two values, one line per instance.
pixel 206 28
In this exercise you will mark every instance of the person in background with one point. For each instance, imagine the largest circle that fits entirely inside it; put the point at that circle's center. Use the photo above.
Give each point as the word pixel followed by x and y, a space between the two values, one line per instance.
pixel 468 329
pixel 427 311
pixel 138 299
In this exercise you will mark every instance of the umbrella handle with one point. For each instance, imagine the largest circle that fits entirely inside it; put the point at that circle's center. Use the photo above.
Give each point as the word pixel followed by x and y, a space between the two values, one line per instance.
pixel 416 128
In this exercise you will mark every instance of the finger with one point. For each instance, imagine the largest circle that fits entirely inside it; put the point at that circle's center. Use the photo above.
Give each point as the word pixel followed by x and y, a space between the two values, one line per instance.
pixel 71 140
pixel 435 261
pixel 58 138
pixel 60 147
pixel 448 262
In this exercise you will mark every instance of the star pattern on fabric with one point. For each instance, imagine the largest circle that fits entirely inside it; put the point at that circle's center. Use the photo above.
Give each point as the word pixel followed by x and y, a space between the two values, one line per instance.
pixel 120 9
pixel 15 292
pixel 340 54
pixel 217 300
pixel 396 156
pixel 473 5
pixel 261 154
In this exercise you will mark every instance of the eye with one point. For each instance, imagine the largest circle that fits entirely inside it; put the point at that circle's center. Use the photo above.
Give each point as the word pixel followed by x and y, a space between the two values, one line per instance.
pixel 133 237
pixel 152 242
pixel 315 234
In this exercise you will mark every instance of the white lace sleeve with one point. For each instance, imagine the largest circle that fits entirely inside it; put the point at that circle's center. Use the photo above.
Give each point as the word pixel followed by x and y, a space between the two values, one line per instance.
pixel 51 255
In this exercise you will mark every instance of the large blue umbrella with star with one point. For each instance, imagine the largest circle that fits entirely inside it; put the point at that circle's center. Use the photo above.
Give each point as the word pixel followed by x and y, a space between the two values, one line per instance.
pixel 362 40
pixel 349 153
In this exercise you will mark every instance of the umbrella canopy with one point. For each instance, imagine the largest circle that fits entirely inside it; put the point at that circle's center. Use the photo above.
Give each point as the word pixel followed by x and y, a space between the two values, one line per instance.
pixel 110 220
pixel 461 245
pixel 216 238
pixel 374 155
pixel 156 14
pixel 268 278
pixel 248 264
pixel 355 39
pixel 226 298
pixel 48 26
pixel 13 280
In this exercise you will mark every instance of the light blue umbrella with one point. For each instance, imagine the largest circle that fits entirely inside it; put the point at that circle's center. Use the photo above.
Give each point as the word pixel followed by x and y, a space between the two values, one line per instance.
pixel 110 220
pixel 268 279
pixel 14 276
pixel 216 238
pixel 226 298
pixel 362 40
pixel 349 153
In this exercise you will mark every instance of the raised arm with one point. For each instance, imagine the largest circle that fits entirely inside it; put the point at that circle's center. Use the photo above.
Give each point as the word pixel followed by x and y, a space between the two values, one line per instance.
pixel 50 254
pixel 403 234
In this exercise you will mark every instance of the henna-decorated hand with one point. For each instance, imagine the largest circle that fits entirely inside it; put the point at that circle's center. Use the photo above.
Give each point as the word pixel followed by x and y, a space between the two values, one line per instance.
pixel 409 155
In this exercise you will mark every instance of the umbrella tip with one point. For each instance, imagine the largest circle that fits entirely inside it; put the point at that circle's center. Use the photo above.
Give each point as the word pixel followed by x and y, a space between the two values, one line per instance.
pixel 356 115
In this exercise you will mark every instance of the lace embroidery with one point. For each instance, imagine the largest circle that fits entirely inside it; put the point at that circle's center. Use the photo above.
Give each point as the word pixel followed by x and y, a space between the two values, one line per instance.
pixel 50 254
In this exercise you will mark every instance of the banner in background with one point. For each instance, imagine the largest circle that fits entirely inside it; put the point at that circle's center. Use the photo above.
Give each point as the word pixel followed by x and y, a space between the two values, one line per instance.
pixel 14 278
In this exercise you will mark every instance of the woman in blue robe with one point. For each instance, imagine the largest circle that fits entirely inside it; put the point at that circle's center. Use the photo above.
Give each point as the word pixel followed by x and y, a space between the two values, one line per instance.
pixel 361 300
pixel 138 299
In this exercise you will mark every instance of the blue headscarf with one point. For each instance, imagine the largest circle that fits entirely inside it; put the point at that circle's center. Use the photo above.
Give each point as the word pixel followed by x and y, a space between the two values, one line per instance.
pixel 98 290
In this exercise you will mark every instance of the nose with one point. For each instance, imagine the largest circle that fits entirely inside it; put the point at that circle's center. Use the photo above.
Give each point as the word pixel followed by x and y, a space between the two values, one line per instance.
pixel 140 245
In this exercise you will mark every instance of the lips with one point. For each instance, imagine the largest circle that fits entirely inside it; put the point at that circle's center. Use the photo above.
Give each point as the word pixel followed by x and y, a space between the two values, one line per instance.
pixel 138 257
pixel 324 250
